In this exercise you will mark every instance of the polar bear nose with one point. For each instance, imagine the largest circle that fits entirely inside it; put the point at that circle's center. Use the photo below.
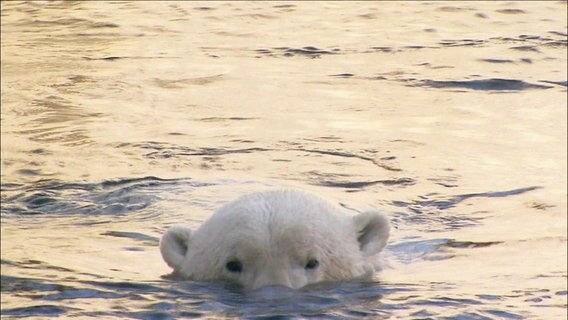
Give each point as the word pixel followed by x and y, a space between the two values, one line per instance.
pixel 272 278
pixel 273 292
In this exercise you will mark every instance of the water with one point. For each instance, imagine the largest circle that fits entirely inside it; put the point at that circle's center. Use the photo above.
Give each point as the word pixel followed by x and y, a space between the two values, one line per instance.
pixel 121 119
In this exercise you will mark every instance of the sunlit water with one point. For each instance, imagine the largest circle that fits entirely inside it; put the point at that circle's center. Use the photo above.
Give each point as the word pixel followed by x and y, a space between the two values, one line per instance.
pixel 120 119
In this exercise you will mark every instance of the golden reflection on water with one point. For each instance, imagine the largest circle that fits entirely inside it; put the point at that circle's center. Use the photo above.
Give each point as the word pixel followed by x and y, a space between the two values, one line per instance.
pixel 324 96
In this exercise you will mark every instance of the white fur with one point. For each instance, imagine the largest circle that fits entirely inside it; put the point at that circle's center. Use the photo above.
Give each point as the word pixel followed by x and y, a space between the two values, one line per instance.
pixel 274 234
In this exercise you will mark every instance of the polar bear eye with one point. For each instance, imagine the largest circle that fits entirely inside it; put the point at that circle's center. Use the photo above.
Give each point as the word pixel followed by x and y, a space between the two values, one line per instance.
pixel 234 266
pixel 312 264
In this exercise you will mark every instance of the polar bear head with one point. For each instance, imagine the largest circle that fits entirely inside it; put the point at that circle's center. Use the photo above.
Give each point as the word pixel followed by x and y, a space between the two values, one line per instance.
pixel 285 237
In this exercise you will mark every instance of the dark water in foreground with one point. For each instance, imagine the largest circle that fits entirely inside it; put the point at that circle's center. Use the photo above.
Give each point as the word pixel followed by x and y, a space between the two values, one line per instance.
pixel 121 119
pixel 99 212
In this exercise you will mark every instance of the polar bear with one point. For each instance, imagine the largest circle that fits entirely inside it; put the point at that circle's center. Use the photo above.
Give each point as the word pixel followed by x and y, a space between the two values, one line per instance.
pixel 284 237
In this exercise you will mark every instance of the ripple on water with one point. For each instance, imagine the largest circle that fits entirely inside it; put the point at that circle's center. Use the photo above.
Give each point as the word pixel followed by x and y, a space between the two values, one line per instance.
pixel 45 310
pixel 109 197
pixel 486 84
pixel 490 85
pixel 307 51
pixel 444 203
pixel 328 182
pixel 159 150
pixel 133 235
pixel 428 212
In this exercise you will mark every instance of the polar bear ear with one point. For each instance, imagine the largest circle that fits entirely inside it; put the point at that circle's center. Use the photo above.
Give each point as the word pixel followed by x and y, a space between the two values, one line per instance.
pixel 373 230
pixel 174 244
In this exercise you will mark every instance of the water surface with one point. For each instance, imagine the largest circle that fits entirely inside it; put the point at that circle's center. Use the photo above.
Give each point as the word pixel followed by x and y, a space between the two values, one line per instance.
pixel 120 119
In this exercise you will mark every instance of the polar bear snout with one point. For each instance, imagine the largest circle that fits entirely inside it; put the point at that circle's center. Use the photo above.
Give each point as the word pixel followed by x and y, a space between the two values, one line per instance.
pixel 278 275
pixel 273 278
